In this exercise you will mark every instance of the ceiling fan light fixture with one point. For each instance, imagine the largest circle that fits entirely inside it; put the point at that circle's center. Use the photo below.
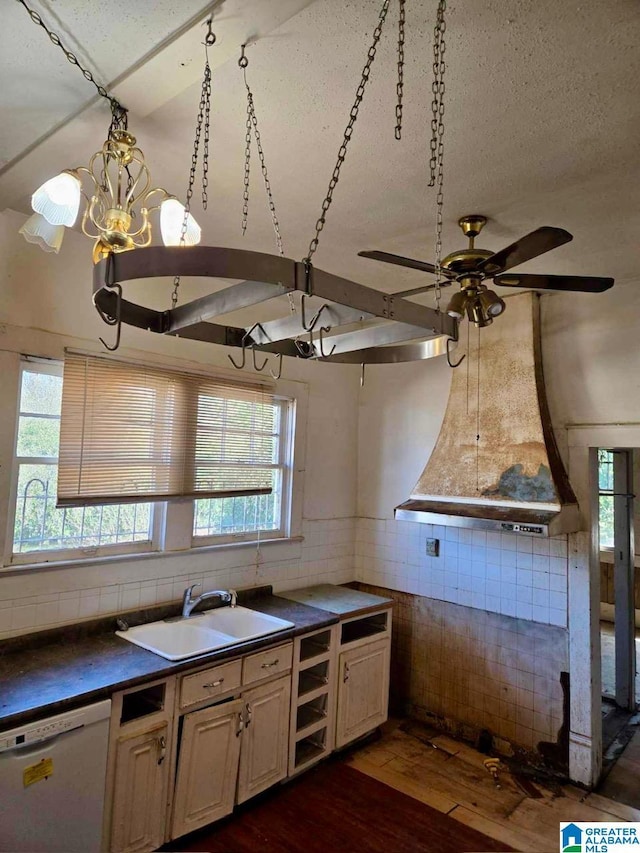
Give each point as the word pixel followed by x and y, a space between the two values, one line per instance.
pixel 45 235
pixel 58 199
pixel 477 314
pixel 172 218
pixel 457 305
pixel 491 303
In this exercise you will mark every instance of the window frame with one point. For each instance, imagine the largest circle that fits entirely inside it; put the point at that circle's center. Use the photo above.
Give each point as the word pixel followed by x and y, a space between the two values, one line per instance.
pixel 173 519
pixel 286 454
pixel 54 367
pixel 605 549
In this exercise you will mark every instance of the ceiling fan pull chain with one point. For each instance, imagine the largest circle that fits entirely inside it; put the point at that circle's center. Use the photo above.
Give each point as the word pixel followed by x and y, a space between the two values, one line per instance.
pixel 400 83
pixel 202 121
pixel 353 115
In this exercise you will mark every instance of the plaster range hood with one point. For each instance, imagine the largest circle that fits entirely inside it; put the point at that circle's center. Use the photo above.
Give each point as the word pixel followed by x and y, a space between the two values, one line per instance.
pixel 496 465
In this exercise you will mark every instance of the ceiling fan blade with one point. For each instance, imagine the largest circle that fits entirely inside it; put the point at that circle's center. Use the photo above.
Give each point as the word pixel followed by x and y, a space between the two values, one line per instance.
pixel 578 283
pixel 415 291
pixel 403 262
pixel 530 246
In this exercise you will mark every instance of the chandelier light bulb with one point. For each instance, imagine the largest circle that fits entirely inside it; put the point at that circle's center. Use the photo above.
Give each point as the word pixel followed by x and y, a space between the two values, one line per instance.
pixel 45 235
pixel 58 199
pixel 171 220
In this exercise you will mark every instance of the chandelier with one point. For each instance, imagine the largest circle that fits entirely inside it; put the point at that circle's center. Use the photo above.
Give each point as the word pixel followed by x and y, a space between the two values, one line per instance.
pixel 117 211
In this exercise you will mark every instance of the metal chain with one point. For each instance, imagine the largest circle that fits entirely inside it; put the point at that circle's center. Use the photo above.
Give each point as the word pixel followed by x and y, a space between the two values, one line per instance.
pixel 118 112
pixel 243 62
pixel 437 87
pixel 437 139
pixel 202 121
pixel 353 115
pixel 400 83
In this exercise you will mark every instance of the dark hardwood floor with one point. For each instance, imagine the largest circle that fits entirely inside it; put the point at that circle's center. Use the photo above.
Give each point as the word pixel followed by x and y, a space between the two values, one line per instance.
pixel 336 809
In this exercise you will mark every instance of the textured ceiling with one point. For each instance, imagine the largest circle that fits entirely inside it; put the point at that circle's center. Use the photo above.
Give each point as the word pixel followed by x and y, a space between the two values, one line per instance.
pixel 542 122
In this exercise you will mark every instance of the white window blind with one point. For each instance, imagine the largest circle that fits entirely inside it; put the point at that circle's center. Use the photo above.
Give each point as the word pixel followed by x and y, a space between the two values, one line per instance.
pixel 132 432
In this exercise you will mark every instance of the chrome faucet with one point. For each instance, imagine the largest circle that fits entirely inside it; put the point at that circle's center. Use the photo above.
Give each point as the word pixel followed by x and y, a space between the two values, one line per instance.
pixel 189 604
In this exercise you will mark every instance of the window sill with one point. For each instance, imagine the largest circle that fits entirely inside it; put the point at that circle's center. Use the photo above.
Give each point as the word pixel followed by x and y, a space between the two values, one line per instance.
pixel 80 562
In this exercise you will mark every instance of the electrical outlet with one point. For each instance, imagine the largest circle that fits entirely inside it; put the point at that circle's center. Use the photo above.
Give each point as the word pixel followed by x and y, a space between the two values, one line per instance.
pixel 433 547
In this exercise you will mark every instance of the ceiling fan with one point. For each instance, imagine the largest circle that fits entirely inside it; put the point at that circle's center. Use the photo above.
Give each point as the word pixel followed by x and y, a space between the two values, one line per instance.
pixel 470 267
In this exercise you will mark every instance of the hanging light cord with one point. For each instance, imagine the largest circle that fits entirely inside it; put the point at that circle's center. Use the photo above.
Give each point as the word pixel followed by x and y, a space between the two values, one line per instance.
pixel 202 123
pixel 118 112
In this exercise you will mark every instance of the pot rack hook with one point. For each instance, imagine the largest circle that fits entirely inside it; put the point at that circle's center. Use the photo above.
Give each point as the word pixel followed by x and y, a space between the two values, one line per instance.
pixel 243 61
pixel 277 375
pixel 449 362
pixel 324 354
pixel 113 321
pixel 255 366
pixel 244 357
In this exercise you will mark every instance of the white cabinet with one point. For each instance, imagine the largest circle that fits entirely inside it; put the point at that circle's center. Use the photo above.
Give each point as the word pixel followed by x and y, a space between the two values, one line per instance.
pixel 233 749
pixel 207 766
pixel 363 690
pixel 138 771
pixel 264 741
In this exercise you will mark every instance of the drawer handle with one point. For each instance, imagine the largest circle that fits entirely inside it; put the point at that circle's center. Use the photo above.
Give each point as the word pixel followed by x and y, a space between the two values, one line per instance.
pixel 269 665
pixel 214 683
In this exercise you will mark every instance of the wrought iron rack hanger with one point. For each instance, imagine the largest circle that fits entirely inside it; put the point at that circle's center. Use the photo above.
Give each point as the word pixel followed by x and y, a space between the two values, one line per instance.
pixel 411 332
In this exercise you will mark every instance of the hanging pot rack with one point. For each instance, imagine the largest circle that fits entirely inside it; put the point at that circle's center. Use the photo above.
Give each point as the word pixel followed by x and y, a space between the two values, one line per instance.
pixel 410 331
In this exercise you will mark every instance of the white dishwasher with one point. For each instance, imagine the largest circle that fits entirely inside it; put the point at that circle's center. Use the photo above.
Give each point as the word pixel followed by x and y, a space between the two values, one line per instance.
pixel 52 782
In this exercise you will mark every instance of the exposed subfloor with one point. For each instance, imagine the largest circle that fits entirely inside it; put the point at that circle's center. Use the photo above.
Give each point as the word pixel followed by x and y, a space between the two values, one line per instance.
pixel 608 656
pixel 451 777
pixel 622 784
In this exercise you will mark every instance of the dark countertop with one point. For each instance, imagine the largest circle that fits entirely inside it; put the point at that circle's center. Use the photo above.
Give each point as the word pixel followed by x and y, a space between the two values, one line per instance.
pixel 50 672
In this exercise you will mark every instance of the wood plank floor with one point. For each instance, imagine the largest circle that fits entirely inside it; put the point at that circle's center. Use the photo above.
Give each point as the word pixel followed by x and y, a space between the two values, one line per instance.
pixel 623 782
pixel 451 777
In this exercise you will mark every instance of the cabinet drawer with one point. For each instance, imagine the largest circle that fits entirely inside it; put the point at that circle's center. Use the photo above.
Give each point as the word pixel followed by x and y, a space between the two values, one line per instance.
pixel 264 664
pixel 210 682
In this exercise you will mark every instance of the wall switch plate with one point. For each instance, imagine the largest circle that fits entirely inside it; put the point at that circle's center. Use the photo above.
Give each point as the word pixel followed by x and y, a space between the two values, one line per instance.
pixel 433 547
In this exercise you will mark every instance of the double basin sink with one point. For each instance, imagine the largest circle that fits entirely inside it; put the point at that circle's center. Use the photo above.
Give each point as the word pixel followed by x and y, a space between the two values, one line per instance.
pixel 204 632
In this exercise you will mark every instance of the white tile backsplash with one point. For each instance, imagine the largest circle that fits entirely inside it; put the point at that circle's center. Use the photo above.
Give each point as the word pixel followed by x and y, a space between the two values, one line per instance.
pixel 512 574
pixel 70 594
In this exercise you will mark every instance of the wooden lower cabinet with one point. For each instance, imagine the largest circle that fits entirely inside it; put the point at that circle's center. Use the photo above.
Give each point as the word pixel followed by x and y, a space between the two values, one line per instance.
pixel 363 690
pixel 140 797
pixel 264 747
pixel 207 766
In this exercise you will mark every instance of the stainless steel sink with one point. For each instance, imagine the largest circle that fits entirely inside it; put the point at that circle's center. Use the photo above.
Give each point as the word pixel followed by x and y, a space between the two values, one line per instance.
pixel 203 633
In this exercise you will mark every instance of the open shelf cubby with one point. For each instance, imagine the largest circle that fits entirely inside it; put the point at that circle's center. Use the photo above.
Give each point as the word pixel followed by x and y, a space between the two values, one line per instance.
pixel 365 626
pixel 311 747
pixel 317 644
pixel 312 712
pixel 313 677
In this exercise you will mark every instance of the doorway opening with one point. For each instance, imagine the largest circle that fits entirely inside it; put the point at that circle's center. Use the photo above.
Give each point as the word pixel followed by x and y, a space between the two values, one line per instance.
pixel 619 605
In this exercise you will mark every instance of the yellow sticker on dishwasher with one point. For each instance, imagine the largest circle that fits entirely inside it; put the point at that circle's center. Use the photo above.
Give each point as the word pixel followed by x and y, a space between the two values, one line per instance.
pixel 37 772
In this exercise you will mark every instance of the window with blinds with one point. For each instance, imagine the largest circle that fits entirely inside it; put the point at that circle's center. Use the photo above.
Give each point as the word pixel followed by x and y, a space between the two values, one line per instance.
pixel 132 432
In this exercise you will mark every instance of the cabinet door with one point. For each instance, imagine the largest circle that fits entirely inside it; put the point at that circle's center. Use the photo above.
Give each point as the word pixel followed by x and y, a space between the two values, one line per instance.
pixel 264 750
pixel 363 690
pixel 140 794
pixel 207 766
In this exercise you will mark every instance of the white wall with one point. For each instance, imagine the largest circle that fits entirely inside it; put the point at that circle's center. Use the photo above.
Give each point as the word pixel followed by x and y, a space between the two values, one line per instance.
pixel 45 305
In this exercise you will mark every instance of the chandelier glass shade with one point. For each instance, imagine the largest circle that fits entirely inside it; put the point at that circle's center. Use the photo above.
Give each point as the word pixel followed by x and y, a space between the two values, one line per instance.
pixel 117 204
